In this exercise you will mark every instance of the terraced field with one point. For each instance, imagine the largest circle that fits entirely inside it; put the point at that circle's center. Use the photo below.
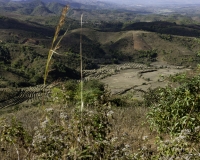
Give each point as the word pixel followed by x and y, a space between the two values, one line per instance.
pixel 109 70
pixel 137 78
pixel 122 78
pixel 13 96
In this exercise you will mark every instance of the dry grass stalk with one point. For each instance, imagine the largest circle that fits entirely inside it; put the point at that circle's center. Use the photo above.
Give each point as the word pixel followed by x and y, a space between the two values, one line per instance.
pixel 54 46
pixel 81 60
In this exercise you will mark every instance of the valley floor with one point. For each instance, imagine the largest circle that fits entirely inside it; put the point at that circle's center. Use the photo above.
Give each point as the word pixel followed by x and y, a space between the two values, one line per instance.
pixel 139 80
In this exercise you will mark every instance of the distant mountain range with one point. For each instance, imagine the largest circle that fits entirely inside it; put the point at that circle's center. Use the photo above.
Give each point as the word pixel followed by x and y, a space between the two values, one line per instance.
pixel 154 2
pixel 81 4
pixel 50 7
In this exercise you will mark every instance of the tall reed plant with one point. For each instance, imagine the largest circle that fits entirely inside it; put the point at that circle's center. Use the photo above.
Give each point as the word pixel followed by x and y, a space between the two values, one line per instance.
pixel 81 62
pixel 56 41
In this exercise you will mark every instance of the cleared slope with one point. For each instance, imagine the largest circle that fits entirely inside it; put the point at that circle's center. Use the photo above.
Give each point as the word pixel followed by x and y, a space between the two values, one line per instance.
pixel 177 50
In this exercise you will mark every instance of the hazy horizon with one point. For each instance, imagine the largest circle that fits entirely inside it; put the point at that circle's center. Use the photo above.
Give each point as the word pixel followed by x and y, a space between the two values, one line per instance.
pixel 139 2
pixel 153 2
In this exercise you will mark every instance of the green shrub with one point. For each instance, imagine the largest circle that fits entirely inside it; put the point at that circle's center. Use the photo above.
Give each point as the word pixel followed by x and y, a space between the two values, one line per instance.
pixel 70 92
pixel 92 92
pixel 177 147
pixel 175 109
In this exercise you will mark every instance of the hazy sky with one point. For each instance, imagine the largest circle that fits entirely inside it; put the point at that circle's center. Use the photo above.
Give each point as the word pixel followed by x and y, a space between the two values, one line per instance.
pixel 154 1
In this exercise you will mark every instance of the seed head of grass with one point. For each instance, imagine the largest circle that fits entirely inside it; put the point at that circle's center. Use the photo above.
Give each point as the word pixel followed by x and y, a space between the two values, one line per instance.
pixel 54 45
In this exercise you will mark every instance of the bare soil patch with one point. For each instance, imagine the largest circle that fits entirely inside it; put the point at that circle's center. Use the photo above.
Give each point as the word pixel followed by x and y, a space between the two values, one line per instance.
pixel 139 42
pixel 140 80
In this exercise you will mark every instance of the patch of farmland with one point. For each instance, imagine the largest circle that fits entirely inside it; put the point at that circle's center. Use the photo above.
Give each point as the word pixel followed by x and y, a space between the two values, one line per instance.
pixel 139 80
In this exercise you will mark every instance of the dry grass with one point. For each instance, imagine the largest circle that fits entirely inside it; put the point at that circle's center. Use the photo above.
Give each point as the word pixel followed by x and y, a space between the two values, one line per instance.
pixel 128 126
pixel 55 45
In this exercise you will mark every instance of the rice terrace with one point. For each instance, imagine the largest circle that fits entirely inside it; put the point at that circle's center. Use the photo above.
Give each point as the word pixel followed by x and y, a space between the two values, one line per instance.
pixel 104 79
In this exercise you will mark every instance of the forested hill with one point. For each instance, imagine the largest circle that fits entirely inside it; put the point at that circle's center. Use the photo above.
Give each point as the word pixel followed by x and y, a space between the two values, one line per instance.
pixel 11 23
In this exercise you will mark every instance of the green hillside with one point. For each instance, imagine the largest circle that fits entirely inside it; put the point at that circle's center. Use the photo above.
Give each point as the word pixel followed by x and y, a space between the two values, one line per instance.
pixel 26 47
pixel 23 54
pixel 55 7
pixel 166 28
pixel 41 10
pixel 123 86
pixel 14 24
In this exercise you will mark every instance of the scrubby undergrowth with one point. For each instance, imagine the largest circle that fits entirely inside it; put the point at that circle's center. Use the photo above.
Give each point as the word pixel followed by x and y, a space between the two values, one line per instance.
pixel 106 129
pixel 60 130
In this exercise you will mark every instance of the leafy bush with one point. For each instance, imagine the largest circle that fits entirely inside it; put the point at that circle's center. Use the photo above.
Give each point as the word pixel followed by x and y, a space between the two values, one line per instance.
pixel 14 135
pixel 93 91
pixel 4 54
pixel 178 147
pixel 70 92
pixel 175 109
